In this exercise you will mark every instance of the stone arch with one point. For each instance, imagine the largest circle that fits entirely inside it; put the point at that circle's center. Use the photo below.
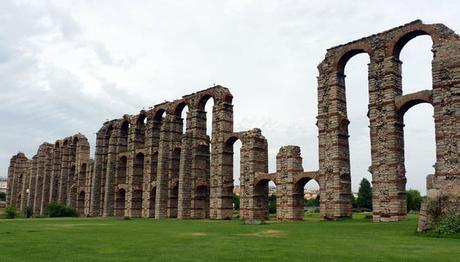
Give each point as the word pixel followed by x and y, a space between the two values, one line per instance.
pixel 120 200
pixel 404 103
pixel 121 170
pixel 347 53
pixel 408 33
pixel 81 202
pixel 201 201
pixel 82 175
pixel 173 187
pixel 152 199
pixel 298 195
pixel 261 198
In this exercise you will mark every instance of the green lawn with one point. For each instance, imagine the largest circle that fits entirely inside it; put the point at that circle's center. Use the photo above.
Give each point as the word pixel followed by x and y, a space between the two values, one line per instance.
pixel 97 239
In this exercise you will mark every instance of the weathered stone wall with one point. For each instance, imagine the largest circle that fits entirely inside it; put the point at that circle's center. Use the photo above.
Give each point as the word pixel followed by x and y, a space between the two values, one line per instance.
pixel 386 109
pixel 51 176
pixel 146 166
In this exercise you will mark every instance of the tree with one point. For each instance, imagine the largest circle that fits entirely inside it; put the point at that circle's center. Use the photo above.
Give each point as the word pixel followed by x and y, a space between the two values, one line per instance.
pixel 354 203
pixel 236 202
pixel 312 202
pixel 413 199
pixel 272 204
pixel 364 195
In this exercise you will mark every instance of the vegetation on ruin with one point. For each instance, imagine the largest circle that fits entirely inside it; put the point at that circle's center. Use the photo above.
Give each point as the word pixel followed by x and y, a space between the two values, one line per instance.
pixel 99 239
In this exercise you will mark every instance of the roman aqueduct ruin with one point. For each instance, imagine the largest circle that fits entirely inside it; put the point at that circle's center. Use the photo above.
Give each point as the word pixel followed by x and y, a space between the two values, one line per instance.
pixel 145 166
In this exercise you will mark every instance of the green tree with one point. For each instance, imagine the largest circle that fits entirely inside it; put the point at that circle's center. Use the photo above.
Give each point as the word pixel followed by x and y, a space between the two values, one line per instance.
pixel 364 195
pixel 272 204
pixel 312 202
pixel 354 203
pixel 236 202
pixel 413 199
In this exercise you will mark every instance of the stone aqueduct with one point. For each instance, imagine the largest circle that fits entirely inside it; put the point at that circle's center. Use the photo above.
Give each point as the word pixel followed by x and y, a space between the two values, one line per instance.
pixel 145 166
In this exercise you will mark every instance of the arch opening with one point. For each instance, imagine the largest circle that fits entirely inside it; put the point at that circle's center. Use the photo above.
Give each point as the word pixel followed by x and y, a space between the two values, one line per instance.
pixel 356 126
pixel 416 58
pixel 265 206
pixel 419 158
pixel 201 202
pixel 121 171
pixel 81 202
pixel 137 180
pixel 120 199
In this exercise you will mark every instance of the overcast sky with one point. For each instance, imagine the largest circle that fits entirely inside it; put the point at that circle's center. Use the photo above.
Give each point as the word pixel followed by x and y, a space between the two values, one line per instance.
pixel 67 66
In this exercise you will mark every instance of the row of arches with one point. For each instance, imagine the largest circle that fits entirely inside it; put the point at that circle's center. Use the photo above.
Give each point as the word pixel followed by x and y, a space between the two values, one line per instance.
pixel 386 117
pixel 58 173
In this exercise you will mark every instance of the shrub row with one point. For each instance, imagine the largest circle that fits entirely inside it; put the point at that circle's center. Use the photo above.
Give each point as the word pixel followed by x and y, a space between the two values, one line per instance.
pixel 52 210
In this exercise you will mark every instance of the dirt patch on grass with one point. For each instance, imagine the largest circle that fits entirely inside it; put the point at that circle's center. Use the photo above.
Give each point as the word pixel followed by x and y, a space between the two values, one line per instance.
pixel 77 225
pixel 192 234
pixel 266 233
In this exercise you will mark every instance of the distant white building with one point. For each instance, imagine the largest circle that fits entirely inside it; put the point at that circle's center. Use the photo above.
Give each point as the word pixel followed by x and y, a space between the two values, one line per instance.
pixel 3 185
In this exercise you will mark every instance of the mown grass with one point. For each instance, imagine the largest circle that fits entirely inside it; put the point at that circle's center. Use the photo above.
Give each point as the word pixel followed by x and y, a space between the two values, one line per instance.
pixel 97 239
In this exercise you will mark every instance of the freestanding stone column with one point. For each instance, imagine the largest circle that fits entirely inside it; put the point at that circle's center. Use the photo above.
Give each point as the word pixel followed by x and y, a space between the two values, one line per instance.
pixel 254 161
pixel 288 165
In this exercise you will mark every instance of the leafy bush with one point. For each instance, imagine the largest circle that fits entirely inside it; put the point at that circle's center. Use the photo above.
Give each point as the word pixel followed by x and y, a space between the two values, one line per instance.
pixel 368 215
pixel 58 210
pixel 27 212
pixel 10 212
pixel 448 225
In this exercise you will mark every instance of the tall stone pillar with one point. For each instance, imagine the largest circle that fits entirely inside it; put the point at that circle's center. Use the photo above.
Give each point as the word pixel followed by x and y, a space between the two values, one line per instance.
pixel 443 189
pixel 221 194
pixel 109 197
pixel 254 160
pixel 334 156
pixel 152 137
pixel 56 173
pixel 47 179
pixel 164 148
pixel 30 194
pixel 39 180
pixel 387 139
pixel 288 164
pixel 185 178
pixel 176 127
pixel 64 177
pixel 99 168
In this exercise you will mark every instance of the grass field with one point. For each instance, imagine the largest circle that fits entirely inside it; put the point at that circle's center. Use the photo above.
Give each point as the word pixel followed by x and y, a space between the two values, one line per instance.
pixel 97 239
